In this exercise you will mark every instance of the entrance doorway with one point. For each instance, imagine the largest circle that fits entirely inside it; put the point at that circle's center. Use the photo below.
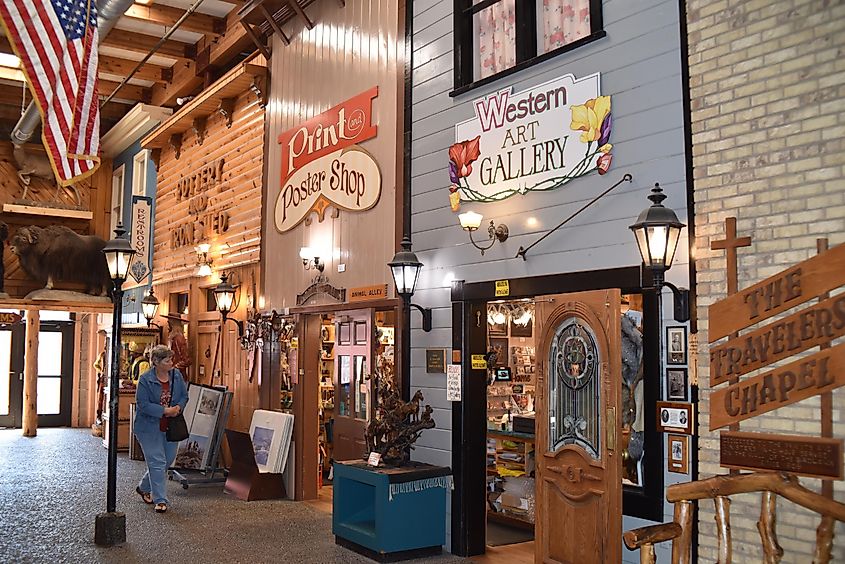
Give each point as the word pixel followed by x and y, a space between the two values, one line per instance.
pixel 55 372
pixel 502 403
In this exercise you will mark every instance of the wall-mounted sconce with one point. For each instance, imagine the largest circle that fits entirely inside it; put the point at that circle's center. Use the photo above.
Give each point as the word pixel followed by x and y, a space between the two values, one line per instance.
pixel 471 221
pixel 203 262
pixel 657 231
pixel 225 295
pixel 149 306
pixel 405 268
pixel 310 259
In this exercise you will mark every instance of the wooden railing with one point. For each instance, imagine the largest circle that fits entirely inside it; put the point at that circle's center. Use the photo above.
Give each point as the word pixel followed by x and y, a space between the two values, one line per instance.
pixel 719 488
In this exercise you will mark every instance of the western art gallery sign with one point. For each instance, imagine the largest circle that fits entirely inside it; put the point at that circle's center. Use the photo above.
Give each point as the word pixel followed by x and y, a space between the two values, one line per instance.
pixel 323 165
pixel 531 141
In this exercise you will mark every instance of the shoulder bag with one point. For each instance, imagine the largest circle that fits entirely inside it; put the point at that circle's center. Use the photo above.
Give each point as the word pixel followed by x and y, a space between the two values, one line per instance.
pixel 177 427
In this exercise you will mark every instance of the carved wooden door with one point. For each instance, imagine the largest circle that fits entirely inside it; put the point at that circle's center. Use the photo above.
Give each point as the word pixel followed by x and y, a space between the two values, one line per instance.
pixel 578 481
pixel 352 356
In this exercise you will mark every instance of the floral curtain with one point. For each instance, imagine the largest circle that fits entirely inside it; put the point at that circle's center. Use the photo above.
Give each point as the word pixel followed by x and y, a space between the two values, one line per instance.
pixel 496 37
pixel 563 21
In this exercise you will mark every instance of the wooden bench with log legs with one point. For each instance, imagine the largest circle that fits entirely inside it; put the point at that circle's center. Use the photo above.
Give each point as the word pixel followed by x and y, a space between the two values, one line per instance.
pixel 718 488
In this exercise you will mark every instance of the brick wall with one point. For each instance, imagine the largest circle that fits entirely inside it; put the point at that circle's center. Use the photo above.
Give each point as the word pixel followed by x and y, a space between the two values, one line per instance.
pixel 767 80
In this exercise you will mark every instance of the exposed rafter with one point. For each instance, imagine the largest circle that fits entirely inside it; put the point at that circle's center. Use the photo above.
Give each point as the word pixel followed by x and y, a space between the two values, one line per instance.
pixel 142 43
pixel 167 15
pixel 122 67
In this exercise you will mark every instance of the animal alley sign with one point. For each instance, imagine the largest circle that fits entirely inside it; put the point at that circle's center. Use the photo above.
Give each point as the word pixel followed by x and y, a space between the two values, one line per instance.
pixel 531 141
pixel 323 165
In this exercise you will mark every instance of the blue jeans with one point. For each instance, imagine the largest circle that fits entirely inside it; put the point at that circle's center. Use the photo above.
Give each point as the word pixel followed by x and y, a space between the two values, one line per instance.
pixel 159 455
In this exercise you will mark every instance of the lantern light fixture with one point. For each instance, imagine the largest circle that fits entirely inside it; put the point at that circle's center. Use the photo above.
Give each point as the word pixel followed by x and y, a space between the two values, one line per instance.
pixel 149 306
pixel 224 295
pixel 657 232
pixel 405 268
pixel 119 253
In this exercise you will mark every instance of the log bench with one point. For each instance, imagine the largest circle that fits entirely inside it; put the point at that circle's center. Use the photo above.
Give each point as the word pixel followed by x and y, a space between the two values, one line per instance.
pixel 719 488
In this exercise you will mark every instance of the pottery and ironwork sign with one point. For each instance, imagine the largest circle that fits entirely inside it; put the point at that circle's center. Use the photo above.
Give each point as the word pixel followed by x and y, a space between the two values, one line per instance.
pixel 206 213
pixel 531 141
pixel 323 164
pixel 804 456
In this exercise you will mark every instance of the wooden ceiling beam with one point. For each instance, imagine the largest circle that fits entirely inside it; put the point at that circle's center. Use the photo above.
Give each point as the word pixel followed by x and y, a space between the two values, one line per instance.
pixel 167 15
pixel 142 43
pixel 221 51
pixel 128 92
pixel 122 67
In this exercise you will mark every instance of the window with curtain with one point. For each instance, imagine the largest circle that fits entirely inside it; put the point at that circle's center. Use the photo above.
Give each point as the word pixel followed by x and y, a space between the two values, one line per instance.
pixel 494 36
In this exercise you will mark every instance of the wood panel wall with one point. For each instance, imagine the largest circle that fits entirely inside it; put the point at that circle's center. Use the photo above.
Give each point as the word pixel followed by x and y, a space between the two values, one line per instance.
pixel 239 193
pixel 95 196
pixel 203 334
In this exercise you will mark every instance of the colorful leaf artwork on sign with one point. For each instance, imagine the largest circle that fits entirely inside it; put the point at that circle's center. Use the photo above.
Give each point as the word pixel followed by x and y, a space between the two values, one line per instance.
pixel 529 142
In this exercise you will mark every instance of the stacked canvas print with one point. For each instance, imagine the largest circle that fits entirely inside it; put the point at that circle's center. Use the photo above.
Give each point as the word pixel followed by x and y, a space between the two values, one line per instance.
pixel 201 415
pixel 271 433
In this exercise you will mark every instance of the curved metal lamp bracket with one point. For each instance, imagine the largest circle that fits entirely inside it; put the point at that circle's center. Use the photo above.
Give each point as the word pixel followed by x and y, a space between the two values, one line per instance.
pixel 496 233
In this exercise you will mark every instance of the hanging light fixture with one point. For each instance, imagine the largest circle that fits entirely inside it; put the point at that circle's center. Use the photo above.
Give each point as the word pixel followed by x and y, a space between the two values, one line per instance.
pixel 224 296
pixel 405 268
pixel 149 306
pixel 471 221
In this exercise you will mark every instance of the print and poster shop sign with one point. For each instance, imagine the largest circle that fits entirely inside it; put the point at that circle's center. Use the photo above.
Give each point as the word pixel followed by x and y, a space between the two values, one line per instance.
pixel 323 164
pixel 531 141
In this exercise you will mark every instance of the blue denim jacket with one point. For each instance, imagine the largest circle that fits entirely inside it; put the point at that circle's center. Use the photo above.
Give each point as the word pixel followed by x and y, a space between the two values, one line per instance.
pixel 148 408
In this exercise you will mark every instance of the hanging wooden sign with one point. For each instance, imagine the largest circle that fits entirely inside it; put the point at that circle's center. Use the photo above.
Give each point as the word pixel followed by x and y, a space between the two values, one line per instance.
pixel 816 325
pixel 804 281
pixel 7 318
pixel 799 380
pixel 141 234
pixel 804 456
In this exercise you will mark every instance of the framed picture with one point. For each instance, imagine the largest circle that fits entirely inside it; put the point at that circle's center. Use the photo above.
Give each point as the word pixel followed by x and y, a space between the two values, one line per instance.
pixel 674 417
pixel 498 329
pixel 678 458
pixel 676 345
pixel 676 384
pixel 503 374
pixel 500 348
pixel 518 330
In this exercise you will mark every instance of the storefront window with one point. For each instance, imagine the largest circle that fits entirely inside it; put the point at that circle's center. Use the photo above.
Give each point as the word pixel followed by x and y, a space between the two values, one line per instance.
pixel 345 375
pixel 494 36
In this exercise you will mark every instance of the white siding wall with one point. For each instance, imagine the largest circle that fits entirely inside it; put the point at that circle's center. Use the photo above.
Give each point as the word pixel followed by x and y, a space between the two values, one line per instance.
pixel 640 66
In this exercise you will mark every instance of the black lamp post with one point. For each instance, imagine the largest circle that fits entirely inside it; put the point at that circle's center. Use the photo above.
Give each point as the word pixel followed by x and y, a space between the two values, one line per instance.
pixel 149 306
pixel 405 268
pixel 657 231
pixel 110 527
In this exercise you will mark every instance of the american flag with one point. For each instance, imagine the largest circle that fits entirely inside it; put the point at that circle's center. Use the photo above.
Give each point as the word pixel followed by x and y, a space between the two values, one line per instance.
pixel 56 41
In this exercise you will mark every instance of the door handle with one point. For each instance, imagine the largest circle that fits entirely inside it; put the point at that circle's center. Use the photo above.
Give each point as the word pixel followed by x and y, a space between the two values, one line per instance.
pixel 20 376
pixel 611 429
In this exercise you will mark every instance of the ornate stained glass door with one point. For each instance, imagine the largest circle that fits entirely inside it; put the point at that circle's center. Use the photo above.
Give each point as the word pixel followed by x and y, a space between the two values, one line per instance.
pixel 578 485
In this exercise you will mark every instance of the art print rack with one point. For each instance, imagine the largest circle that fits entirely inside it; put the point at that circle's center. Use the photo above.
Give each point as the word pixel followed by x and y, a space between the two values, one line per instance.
pixel 197 456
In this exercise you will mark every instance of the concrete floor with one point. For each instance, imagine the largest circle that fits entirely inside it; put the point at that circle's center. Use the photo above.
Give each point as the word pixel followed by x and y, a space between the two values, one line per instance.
pixel 52 486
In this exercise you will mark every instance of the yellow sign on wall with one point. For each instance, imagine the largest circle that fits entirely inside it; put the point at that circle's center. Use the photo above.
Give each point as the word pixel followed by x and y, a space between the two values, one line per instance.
pixel 364 293
pixel 479 362
pixel 503 288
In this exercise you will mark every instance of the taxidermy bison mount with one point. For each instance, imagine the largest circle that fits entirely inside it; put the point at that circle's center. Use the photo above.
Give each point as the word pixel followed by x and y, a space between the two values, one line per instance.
pixel 56 254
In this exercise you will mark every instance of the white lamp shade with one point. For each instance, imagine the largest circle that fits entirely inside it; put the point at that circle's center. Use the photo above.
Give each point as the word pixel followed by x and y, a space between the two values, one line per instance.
pixel 149 305
pixel 203 248
pixel 405 277
pixel 306 253
pixel 470 220
pixel 224 301
pixel 204 270
pixel 118 263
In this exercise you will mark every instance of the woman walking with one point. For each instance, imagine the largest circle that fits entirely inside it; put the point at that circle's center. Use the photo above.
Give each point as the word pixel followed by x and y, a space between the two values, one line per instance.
pixel 161 394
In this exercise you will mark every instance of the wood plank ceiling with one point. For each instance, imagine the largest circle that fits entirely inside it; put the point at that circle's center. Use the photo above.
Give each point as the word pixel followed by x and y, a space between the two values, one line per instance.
pixel 207 43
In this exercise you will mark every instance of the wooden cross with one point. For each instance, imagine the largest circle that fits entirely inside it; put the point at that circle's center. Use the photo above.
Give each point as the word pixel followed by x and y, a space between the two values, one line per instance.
pixel 730 244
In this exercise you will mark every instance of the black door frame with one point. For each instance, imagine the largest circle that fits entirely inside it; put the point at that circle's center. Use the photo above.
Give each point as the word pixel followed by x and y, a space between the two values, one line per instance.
pixel 469 416
pixel 15 416
pixel 63 418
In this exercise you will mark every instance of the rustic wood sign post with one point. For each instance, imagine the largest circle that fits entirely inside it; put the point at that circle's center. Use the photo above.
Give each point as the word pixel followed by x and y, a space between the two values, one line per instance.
pixel 817 374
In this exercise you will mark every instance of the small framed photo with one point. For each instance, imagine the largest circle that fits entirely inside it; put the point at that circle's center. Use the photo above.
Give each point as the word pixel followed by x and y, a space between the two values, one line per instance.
pixel 676 345
pixel 675 417
pixel 498 329
pixel 676 384
pixel 678 457
pixel 500 348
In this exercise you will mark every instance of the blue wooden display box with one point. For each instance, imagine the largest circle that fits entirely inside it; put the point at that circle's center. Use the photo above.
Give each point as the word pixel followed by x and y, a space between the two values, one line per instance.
pixel 410 525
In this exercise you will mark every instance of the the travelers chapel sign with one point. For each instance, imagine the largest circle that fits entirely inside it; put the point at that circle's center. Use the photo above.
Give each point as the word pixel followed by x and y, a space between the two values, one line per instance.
pixel 323 165
pixel 530 141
